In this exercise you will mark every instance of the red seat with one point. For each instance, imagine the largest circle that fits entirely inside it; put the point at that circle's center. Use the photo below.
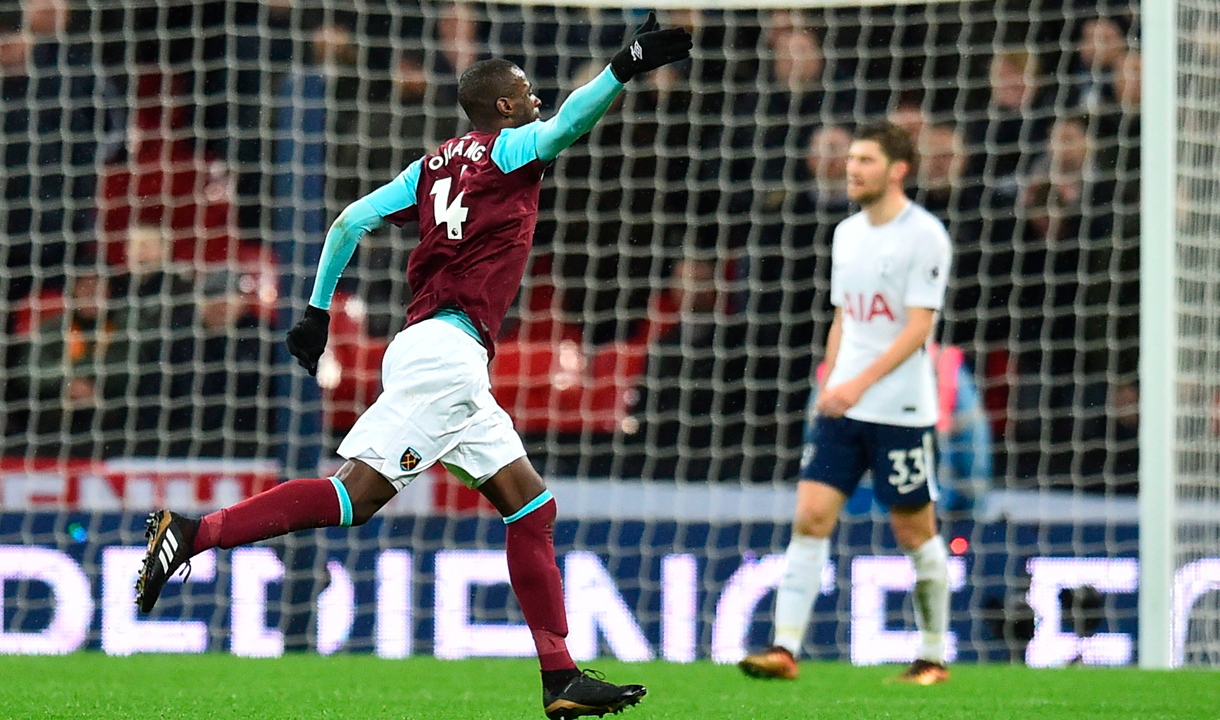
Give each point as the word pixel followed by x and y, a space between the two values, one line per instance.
pixel 166 180
pixel 546 379
pixel 357 361
pixel 36 309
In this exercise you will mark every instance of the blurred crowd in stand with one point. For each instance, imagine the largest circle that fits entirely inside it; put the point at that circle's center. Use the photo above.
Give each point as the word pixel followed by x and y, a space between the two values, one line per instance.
pixel 170 172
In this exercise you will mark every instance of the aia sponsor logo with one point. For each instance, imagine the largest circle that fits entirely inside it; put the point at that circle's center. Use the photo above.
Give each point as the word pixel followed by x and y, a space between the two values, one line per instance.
pixel 860 309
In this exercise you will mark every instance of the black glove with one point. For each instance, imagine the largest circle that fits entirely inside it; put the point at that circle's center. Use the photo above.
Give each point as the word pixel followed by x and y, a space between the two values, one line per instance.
pixel 307 339
pixel 649 49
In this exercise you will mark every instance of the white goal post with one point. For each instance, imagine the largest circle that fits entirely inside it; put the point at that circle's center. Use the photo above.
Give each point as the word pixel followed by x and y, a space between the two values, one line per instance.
pixel 1158 331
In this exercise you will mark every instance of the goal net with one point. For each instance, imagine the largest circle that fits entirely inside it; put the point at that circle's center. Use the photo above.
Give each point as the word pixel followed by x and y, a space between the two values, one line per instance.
pixel 1195 497
pixel 171 172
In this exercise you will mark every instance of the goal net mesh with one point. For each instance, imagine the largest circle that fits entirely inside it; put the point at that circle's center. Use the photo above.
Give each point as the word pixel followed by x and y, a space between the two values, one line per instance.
pixel 1197 603
pixel 170 175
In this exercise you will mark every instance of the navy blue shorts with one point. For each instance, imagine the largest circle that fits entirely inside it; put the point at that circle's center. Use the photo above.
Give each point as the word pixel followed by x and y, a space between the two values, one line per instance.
pixel 838 451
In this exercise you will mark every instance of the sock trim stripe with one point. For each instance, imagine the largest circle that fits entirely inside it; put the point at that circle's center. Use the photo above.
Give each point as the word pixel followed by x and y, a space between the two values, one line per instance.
pixel 530 507
pixel 345 502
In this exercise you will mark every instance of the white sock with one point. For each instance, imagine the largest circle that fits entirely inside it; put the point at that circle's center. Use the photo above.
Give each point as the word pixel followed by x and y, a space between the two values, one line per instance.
pixel 798 589
pixel 931 598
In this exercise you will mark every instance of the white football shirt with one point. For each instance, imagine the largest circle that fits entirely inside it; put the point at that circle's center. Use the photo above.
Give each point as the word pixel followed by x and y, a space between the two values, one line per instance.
pixel 877 272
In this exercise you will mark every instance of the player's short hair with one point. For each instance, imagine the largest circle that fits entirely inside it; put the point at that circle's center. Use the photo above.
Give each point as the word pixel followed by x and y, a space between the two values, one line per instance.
pixel 896 143
pixel 481 86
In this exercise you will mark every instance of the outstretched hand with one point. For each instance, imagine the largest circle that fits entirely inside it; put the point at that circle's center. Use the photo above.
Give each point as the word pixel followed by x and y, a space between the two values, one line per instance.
pixel 649 49
pixel 307 339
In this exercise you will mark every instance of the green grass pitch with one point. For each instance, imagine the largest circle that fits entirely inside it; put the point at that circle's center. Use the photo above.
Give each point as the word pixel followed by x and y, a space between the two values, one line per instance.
pixel 92 685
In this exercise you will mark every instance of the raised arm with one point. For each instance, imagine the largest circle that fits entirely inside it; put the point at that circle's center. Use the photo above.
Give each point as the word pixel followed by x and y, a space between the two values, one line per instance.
pixel 648 49
pixel 577 116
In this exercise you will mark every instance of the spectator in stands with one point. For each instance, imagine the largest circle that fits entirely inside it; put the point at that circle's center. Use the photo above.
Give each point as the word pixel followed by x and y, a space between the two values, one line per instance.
pixel 1123 437
pixel 221 389
pixel 942 165
pixel 909 115
pixel 154 306
pixel 796 235
pixel 688 410
pixel 165 178
pixel 943 190
pixel 1063 303
pixel 336 61
pixel 963 433
pixel 791 102
pixel 1102 44
pixel 459 36
pixel 1080 190
pixel 305 195
pixel 1119 129
pixel 789 276
pixel 59 120
pixel 1121 151
pixel 826 161
pixel 71 377
pixel 1014 129
pixel 609 197
pixel 424 110
pixel 156 295
pixel 261 39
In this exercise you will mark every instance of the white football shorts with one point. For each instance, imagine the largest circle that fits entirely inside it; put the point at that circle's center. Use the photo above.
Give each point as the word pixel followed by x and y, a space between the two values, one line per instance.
pixel 435 406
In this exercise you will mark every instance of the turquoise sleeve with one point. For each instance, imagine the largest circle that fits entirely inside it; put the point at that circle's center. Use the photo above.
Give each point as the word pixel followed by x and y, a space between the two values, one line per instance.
pixel 517 147
pixel 361 217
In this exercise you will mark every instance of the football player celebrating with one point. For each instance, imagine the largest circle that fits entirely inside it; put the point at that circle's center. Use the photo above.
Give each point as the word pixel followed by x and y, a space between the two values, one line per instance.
pixel 476 202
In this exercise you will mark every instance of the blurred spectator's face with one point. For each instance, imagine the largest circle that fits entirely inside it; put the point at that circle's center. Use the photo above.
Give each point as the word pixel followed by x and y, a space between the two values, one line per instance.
pixel 13 51
pixel 458 29
pixel 692 20
pixel 798 59
pixel 222 312
pixel 827 158
pixel 87 297
pixel 694 286
pixel 1126 400
pixel 333 46
pixel 868 172
pixel 663 80
pixel 1101 44
pixel 785 21
pixel 1069 147
pixel 1035 207
pixel 410 81
pixel 146 251
pixel 1009 86
pixel 909 118
pixel 1127 81
pixel 940 158
pixel 45 17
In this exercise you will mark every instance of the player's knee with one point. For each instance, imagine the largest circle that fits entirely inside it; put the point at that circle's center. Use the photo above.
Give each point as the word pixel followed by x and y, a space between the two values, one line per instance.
pixel 911 532
pixel 814 522
pixel 366 489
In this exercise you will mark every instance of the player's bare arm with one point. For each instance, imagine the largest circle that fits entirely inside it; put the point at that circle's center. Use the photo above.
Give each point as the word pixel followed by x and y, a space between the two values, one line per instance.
pixel 839 399
pixel 833 339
